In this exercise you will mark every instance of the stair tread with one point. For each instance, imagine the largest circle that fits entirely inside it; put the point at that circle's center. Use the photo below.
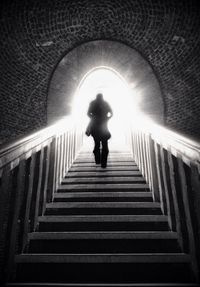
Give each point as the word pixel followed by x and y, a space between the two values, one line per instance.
pixel 104 186
pixel 98 168
pixel 109 164
pixel 110 160
pixel 103 180
pixel 104 284
pixel 102 173
pixel 103 218
pixel 103 205
pixel 104 258
pixel 104 235
pixel 103 194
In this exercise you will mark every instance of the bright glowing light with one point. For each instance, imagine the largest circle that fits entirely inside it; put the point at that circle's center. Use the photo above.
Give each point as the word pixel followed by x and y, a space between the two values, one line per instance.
pixel 115 91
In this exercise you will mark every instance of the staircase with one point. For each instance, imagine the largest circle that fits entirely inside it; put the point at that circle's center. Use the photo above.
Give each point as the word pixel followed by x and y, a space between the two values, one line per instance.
pixel 103 229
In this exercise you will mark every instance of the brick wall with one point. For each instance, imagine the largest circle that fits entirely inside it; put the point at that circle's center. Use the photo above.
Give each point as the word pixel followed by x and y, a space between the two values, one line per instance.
pixel 36 34
pixel 125 61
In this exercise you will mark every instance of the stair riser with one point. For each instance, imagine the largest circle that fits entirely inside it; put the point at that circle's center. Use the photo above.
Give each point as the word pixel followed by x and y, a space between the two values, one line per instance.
pixel 104 181
pixel 104 246
pixel 102 211
pixel 103 226
pixel 103 272
pixel 102 284
pixel 104 174
pixel 109 164
pixel 99 169
pixel 104 199
pixel 78 188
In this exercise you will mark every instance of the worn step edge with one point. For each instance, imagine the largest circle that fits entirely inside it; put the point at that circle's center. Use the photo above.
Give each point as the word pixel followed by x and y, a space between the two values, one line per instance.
pixel 103 174
pixel 102 235
pixel 104 258
pixel 99 169
pixel 97 180
pixel 109 164
pixel 103 186
pixel 97 194
pixel 105 284
pixel 103 218
pixel 134 205
pixel 110 159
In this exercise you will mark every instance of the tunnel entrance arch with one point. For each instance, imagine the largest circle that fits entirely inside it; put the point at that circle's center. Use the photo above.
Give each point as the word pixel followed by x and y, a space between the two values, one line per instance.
pixel 115 91
pixel 135 70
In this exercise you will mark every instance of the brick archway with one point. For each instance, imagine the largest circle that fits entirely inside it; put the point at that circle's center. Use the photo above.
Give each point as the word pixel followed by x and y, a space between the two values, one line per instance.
pixel 127 62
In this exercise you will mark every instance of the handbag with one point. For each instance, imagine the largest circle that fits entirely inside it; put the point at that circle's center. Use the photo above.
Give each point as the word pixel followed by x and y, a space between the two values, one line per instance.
pixel 88 129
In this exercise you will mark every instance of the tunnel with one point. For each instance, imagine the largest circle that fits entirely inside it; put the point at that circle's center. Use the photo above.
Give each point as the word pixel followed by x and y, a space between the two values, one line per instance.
pixel 67 218
pixel 37 36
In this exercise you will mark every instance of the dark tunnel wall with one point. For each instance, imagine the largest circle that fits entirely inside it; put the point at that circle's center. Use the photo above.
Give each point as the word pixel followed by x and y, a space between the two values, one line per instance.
pixel 36 34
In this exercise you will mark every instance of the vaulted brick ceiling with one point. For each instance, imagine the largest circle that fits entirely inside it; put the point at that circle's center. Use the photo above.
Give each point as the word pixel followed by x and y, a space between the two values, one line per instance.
pixel 36 34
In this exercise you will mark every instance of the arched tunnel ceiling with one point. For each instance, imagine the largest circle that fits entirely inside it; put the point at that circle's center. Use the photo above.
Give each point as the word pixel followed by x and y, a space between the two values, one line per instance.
pixel 36 34
pixel 137 73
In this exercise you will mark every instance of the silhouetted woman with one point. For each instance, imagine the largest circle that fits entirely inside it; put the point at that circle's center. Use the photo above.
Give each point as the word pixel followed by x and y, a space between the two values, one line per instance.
pixel 99 112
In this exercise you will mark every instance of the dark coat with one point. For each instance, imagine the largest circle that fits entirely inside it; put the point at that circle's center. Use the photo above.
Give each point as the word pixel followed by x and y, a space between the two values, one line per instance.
pixel 99 115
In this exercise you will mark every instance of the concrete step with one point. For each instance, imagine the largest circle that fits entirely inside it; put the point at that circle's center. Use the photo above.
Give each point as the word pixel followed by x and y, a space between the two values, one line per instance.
pixel 96 168
pixel 101 196
pixel 119 160
pixel 39 284
pixel 104 258
pixel 103 223
pixel 111 154
pixel 108 186
pixel 71 208
pixel 109 164
pixel 96 180
pixel 102 173
pixel 103 242
pixel 101 268
pixel 147 235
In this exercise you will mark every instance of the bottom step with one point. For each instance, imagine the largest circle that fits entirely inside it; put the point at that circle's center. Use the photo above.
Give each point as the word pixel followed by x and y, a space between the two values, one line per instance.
pixel 104 268
pixel 104 284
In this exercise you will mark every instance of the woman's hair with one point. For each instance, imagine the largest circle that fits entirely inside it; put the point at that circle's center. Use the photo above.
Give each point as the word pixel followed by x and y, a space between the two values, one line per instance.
pixel 99 96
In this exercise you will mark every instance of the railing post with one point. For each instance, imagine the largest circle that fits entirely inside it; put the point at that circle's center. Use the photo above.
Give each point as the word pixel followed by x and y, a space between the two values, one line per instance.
pixel 36 189
pixel 17 195
pixel 67 151
pixel 155 187
pixel 189 228
pixel 167 188
pixel 173 183
pixel 45 175
pixel 5 195
pixel 57 161
pixel 26 221
pixel 64 156
pixel 144 157
pixel 160 178
pixel 141 154
pixel 51 185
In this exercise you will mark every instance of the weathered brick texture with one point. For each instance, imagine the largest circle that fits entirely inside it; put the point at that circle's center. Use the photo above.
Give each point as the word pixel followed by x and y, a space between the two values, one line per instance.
pixel 36 34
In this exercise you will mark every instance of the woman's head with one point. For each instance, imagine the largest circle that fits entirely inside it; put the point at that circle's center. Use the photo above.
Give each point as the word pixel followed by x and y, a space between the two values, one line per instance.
pixel 99 96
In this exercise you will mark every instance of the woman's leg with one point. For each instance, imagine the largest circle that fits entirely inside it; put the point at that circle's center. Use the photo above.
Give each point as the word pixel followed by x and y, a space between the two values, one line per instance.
pixel 105 152
pixel 96 151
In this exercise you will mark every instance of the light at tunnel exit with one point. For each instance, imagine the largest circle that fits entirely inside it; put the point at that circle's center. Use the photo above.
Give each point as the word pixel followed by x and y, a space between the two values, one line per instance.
pixel 115 91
